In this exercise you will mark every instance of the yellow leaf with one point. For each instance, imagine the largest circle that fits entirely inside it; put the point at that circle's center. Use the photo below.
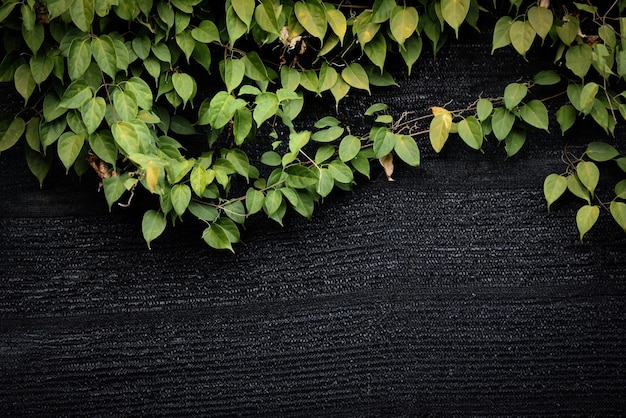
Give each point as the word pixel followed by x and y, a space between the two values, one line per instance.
pixel 438 110
pixel 152 177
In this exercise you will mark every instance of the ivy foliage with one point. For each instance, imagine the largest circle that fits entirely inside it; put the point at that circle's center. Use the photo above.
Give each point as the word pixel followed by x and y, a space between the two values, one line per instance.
pixel 125 87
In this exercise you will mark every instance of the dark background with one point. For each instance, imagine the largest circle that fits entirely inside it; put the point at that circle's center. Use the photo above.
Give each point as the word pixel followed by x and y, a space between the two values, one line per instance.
pixel 451 291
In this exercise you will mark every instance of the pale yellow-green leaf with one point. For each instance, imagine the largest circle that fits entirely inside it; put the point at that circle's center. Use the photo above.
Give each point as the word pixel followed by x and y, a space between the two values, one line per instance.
pixel 541 19
pixel 312 17
pixel 618 211
pixel 586 218
pixel 522 35
pixel 454 12
pixel 588 174
pixel 403 23
pixel 355 76
pixel 440 130
pixel 553 187
pixel 337 22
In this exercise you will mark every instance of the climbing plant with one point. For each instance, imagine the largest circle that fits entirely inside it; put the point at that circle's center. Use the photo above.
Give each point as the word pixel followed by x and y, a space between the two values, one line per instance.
pixel 170 96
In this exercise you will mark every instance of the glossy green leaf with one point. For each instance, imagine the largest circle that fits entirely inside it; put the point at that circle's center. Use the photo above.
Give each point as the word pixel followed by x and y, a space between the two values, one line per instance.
pixel 312 17
pixel 68 147
pixel 484 107
pixel 181 196
pixel 76 95
pixel 411 51
pixel 50 132
pixel 273 199
pixel 513 94
pixel 514 141
pixel 242 124
pixel 403 22
pixel 566 116
pixel 300 177
pixel 578 59
pixel 217 237
pixel 204 212
pixel 618 211
pixel 471 132
pixel 349 147
pixel 206 32
pixel 92 113
pixel 502 122
pixel 254 68
pixel 439 130
pixel 522 35
pixel 553 187
pixel 340 172
pixel 540 18
pixel 586 218
pixel 576 187
pixel 104 146
pixel 266 106
pixel 406 148
pixel 289 78
pixel 376 107
pixel 254 201
pixel 535 113
pixel 24 81
pixel 38 164
pixel 376 51
pixel 501 33
pixel 601 151
pixel 355 76
pixel 454 12
pixel 11 132
pixel 384 144
pixel 588 174
pixel 152 226
pixel 220 110
pixel 266 17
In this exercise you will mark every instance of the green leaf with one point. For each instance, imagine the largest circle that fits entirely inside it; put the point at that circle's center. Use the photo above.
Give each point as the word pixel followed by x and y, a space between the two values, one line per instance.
pixel 621 163
pixel 24 81
pixel 242 125
pixel 273 200
pixel 601 151
pixel 514 141
pixel 337 22
pixel 381 10
pixel 513 94
pixel 484 107
pixel 365 28
pixel 300 177
pixel 586 218
pixel 79 57
pixel 254 67
pixel 355 76
pixel 217 237
pixel 566 116
pixel 76 95
pixel 297 140
pixel 439 130
pixel 240 162
pixel 576 187
pixel 578 59
pixel 522 35
pixel 568 31
pixel 50 132
pixel 454 12
pixel 376 107
pixel 323 153
pixel 92 113
pixel 620 189
pixel 69 147
pixel 38 164
pixel 540 18
pixel 406 148
pixel 588 174
pixel 327 77
pixel 501 33
pixel 41 65
pixel 244 10
pixel 411 51
pixel 203 212
pixel 289 78
pixel 587 96
pixel 328 135
pixel 234 71
pixel 181 196
pixel 125 105
pixel 340 172
pixel 403 22
pixel 266 106
pixel 184 85
pixel 141 91
pixel 535 113
pixel 220 110
pixel 349 147
pixel 618 211
pixel 339 91
pixel 181 125
pixel 81 12
pixel 326 183
pixel 126 137
pixel 471 132
pixel 254 201
pixel 234 25
pixel 326 122
pixel 265 16
pixel 312 17
pixel 186 43
pixel 376 51
pixel 271 158
pixel 11 132
pixel 546 78
pixel 32 134
pixel 384 144
pixel 502 122
pixel 34 38
pixel 376 78
pixel 206 32
pixel 553 187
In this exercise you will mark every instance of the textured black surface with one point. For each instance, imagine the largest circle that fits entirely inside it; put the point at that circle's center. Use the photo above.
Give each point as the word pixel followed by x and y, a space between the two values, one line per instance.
pixel 451 291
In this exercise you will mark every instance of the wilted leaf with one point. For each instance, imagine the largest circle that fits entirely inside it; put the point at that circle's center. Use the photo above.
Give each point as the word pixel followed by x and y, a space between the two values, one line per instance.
pixel 387 163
